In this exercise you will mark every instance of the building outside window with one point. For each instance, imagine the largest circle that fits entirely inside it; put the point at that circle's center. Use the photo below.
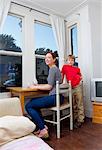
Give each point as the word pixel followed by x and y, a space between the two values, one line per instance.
pixel 10 53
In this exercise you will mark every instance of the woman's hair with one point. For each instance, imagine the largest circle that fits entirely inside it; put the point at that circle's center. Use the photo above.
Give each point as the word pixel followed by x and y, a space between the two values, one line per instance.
pixel 53 54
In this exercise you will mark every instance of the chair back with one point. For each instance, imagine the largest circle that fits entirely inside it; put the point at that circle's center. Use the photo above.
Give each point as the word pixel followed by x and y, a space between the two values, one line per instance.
pixel 64 89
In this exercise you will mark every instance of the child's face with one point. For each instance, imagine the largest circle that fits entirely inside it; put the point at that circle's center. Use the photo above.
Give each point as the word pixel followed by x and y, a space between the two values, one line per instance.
pixel 70 61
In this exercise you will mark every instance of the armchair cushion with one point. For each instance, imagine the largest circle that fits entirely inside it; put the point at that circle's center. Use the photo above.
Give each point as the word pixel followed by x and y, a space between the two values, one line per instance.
pixel 12 127
pixel 29 142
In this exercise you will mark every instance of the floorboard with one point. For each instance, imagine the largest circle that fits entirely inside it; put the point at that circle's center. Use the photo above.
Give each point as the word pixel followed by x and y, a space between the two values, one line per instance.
pixel 88 137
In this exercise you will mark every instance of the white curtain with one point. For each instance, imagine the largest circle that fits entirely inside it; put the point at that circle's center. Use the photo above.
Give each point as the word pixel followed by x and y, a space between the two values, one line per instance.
pixel 58 26
pixel 4 8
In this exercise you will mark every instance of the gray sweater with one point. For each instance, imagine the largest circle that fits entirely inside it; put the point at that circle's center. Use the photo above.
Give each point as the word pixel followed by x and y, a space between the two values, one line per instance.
pixel 54 75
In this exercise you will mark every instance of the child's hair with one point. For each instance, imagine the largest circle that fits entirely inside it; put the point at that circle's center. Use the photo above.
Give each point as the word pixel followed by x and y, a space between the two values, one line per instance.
pixel 72 57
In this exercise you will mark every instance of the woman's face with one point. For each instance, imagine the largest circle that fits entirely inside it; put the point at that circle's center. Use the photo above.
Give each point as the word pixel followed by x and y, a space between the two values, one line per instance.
pixel 49 60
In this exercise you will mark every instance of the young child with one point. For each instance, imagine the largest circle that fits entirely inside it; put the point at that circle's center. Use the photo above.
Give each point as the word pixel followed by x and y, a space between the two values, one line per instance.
pixel 73 74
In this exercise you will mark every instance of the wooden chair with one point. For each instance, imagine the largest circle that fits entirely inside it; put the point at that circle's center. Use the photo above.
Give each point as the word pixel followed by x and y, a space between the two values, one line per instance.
pixel 67 91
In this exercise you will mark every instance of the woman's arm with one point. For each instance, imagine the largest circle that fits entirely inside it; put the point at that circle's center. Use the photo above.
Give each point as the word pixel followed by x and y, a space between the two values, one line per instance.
pixel 41 87
pixel 63 73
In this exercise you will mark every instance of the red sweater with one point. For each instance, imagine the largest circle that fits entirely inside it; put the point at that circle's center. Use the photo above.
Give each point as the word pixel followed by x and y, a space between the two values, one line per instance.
pixel 72 73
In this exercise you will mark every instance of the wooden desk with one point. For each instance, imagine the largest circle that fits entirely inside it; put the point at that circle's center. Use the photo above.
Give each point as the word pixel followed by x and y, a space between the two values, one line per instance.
pixel 26 92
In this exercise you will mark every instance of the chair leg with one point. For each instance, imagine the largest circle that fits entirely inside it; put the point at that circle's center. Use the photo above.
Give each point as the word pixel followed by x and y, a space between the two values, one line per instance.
pixel 71 116
pixel 54 117
pixel 58 124
pixel 71 122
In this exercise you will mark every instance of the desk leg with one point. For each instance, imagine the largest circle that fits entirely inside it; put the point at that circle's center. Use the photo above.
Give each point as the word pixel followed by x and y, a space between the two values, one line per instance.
pixel 12 94
pixel 21 96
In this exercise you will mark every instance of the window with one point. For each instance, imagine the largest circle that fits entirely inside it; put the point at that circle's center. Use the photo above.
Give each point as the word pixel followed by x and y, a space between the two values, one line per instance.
pixel 73 41
pixel 10 53
pixel 44 42
pixel 12 34
pixel 74 46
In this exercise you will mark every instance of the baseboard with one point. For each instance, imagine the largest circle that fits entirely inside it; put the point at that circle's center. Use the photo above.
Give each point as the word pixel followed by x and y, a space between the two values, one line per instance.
pixel 5 95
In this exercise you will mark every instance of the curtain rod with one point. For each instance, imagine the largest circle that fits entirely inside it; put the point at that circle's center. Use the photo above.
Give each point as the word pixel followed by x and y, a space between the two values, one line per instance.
pixel 31 8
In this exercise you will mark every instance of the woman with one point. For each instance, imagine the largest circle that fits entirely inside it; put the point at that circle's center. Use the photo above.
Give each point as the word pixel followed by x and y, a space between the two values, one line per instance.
pixel 33 107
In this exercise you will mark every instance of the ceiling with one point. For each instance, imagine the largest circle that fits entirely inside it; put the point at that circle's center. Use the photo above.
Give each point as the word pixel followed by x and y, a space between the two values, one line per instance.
pixel 60 7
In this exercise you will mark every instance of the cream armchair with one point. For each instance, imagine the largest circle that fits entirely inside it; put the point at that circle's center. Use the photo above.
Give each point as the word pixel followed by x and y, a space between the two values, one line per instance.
pixel 10 106
pixel 16 130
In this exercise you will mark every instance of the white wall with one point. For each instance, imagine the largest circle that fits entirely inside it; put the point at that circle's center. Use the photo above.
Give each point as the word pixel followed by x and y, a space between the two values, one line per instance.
pixel 5 95
pixel 94 8
pixel 85 57
pixel 84 53
pixel 101 37
pixel 89 19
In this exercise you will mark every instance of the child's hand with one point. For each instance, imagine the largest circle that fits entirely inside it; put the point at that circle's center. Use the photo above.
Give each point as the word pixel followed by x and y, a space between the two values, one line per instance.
pixel 81 78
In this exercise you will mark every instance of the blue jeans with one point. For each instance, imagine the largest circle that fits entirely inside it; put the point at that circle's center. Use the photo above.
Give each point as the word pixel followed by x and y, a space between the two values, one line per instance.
pixel 33 108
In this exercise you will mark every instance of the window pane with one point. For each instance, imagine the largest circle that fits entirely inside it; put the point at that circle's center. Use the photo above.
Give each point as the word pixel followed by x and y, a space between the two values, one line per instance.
pixel 74 45
pixel 41 70
pixel 44 37
pixel 10 71
pixel 44 42
pixel 11 37
pixel 11 65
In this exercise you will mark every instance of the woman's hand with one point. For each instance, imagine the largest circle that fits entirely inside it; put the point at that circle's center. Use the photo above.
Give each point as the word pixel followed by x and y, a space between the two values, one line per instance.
pixel 41 87
pixel 33 86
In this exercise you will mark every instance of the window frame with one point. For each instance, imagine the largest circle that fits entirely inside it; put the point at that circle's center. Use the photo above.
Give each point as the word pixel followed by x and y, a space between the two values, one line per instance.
pixel 28 18
pixel 70 24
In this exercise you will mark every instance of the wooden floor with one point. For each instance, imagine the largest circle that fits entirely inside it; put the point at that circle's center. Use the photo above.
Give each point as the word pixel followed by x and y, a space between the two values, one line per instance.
pixel 88 137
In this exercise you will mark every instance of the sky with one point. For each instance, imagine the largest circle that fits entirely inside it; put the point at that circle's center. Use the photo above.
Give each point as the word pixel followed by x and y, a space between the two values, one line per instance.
pixel 74 36
pixel 44 34
pixel 44 37
pixel 11 27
